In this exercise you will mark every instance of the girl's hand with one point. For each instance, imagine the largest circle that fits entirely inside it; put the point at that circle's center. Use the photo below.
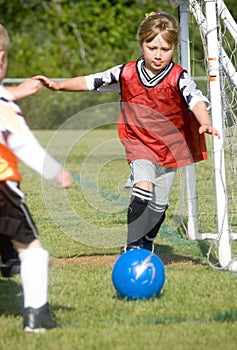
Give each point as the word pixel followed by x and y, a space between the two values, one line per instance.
pixel 48 83
pixel 207 128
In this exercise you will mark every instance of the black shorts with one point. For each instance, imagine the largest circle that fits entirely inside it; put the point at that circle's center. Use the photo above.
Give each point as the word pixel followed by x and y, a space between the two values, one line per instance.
pixel 16 222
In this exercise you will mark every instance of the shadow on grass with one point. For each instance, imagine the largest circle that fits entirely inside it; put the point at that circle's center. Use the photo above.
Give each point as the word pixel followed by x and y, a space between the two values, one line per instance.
pixel 11 300
pixel 176 247
pixel 169 255
pixel 91 254
pixel 171 246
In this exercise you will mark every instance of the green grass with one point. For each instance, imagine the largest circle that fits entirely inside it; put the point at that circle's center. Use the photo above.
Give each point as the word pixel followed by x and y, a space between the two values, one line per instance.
pixel 196 310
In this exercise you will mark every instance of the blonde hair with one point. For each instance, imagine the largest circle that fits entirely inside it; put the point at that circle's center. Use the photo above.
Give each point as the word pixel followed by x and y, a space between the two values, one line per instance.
pixel 4 39
pixel 159 23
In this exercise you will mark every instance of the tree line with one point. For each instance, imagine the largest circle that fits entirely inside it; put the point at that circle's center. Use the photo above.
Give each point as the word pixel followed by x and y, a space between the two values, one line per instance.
pixel 63 38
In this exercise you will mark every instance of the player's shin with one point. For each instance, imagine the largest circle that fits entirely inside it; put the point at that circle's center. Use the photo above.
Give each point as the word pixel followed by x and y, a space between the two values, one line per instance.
pixel 154 222
pixel 34 276
pixel 137 215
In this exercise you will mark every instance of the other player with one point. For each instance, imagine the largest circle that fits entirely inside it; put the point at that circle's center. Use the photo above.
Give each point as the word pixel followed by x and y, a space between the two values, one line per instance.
pixel 16 224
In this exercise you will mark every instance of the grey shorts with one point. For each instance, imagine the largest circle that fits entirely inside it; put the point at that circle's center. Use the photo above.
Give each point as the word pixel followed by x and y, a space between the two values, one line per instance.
pixel 161 177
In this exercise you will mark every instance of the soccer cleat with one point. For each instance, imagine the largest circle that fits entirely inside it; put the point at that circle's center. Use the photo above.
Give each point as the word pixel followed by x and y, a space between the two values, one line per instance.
pixel 10 268
pixel 129 247
pixel 148 244
pixel 142 243
pixel 38 320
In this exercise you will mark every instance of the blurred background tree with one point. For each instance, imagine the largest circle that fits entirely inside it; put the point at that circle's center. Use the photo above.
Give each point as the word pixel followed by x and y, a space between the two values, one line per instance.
pixel 63 38
pixel 66 38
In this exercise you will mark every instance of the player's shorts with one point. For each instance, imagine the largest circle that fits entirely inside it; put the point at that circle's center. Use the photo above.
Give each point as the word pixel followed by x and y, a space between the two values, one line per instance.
pixel 161 177
pixel 16 222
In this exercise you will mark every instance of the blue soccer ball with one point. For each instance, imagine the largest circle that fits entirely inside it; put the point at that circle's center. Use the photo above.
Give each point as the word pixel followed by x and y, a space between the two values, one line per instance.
pixel 138 274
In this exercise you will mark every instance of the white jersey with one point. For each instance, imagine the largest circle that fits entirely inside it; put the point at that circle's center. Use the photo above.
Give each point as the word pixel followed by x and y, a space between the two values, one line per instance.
pixel 16 137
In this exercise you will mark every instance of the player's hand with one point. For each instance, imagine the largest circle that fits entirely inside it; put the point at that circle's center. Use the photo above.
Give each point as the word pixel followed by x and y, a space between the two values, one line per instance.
pixel 207 128
pixel 64 178
pixel 27 88
pixel 31 86
pixel 48 83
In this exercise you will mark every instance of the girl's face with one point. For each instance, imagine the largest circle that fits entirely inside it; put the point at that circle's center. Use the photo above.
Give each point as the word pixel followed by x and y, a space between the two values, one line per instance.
pixel 157 54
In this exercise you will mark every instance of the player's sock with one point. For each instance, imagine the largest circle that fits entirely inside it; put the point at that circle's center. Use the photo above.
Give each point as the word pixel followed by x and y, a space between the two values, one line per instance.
pixel 34 276
pixel 137 214
pixel 155 219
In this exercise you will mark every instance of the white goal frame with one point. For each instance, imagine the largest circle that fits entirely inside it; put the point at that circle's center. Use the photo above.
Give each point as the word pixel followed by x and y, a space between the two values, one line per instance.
pixel 208 26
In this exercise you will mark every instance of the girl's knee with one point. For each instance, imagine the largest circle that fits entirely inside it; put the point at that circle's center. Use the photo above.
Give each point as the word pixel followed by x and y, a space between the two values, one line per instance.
pixel 145 185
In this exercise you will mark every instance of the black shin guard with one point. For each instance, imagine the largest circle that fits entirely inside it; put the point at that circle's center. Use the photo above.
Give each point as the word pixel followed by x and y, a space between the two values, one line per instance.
pixel 154 222
pixel 137 217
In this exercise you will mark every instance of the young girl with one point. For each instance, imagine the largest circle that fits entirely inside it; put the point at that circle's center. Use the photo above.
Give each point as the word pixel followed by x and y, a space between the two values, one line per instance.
pixel 162 122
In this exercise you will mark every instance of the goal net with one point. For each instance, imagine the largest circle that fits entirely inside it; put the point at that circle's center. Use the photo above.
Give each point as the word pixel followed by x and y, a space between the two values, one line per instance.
pixel 209 211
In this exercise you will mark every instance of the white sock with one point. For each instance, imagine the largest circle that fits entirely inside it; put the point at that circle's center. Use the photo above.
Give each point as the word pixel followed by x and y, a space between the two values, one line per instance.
pixel 34 276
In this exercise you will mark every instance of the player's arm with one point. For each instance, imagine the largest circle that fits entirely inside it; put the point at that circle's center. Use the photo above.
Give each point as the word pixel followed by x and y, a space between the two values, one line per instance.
pixel 74 84
pixel 27 88
pixel 197 103
pixel 101 81
pixel 35 156
pixel 27 148
pixel 201 113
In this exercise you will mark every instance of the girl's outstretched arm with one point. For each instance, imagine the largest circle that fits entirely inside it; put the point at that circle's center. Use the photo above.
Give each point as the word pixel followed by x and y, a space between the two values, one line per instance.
pixel 74 84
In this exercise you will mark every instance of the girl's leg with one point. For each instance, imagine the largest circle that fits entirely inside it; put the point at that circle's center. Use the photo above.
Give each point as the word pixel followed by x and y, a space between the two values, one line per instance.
pixel 158 205
pixel 149 203
pixel 137 214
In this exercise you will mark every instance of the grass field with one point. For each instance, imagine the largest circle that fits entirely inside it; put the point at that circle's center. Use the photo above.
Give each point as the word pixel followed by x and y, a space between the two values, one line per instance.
pixel 197 309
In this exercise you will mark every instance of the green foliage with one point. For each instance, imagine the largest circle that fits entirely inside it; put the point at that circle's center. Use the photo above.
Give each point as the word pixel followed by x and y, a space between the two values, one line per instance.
pixel 66 38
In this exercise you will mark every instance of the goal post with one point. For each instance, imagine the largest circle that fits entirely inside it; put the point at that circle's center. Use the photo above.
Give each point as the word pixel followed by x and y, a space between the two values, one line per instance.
pixel 213 67
pixel 208 14
pixel 192 222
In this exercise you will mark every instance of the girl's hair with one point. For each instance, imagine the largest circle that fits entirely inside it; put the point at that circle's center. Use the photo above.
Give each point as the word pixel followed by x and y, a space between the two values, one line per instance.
pixel 159 23
pixel 4 39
